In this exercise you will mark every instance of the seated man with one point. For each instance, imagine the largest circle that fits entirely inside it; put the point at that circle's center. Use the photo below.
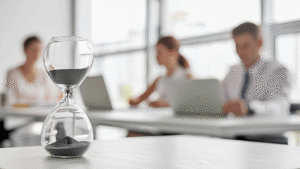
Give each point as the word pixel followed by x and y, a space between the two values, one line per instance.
pixel 256 86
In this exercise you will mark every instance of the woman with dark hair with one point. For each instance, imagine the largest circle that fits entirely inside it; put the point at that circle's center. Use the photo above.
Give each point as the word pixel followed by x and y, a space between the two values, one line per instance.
pixel 177 66
pixel 28 84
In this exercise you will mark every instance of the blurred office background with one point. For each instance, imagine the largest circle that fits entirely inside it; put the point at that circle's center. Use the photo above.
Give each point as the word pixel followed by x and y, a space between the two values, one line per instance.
pixel 124 32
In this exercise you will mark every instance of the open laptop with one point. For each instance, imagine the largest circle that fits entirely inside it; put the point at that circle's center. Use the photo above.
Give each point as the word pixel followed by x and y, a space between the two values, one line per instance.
pixel 94 94
pixel 195 98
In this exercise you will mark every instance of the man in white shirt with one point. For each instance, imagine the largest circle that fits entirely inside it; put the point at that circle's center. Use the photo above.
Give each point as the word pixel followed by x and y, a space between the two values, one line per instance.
pixel 255 86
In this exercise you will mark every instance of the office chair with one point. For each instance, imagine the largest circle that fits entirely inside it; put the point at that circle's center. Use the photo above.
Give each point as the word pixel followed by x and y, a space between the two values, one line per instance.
pixel 294 108
pixel 4 134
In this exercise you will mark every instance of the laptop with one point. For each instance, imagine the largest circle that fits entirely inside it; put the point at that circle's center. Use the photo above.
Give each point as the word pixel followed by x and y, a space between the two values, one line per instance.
pixel 94 94
pixel 195 98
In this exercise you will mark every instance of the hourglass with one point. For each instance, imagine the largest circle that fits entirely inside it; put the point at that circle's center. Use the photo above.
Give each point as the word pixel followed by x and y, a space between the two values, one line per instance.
pixel 67 132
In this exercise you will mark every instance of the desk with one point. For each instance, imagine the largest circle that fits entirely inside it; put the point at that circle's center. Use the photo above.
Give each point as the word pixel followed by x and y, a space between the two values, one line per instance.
pixel 161 152
pixel 163 120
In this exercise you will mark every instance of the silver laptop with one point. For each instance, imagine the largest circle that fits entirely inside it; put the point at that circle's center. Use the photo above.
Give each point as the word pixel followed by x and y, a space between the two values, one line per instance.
pixel 94 94
pixel 196 98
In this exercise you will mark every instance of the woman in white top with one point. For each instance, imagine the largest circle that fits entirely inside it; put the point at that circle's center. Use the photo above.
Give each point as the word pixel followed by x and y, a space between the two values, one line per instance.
pixel 28 84
pixel 177 68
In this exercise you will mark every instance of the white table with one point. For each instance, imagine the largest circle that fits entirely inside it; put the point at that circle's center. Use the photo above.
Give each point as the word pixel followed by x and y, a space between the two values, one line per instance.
pixel 161 152
pixel 163 120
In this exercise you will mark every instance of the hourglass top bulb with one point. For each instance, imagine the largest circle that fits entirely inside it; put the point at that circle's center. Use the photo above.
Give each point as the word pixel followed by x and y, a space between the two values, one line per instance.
pixel 68 60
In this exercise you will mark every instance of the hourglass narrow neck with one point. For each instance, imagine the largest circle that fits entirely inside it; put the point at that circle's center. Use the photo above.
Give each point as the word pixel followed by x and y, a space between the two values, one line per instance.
pixel 68 96
pixel 68 92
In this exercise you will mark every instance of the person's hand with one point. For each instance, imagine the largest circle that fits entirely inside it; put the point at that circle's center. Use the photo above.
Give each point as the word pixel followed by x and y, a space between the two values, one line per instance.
pixel 133 102
pixel 238 107
pixel 158 104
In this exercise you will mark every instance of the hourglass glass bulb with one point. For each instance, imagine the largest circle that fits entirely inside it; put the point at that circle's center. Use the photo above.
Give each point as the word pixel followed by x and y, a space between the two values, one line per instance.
pixel 67 131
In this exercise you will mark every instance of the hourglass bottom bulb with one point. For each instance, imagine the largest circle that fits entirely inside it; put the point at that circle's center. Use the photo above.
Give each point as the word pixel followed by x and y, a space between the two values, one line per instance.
pixel 67 147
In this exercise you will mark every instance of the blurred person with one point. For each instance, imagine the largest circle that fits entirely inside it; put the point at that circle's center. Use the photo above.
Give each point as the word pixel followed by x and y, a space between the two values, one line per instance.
pixel 28 84
pixel 256 86
pixel 167 49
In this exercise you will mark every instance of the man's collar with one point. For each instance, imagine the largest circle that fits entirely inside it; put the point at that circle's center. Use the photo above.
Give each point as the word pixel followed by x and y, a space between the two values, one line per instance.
pixel 254 68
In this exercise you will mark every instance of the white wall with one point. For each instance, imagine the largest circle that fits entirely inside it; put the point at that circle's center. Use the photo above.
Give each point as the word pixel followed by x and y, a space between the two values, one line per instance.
pixel 20 19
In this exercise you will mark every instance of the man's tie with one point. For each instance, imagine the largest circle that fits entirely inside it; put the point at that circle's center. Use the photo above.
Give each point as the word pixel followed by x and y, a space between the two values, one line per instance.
pixel 245 85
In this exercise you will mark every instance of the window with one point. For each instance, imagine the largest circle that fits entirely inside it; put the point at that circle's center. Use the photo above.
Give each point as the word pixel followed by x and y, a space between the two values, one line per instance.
pixel 287 53
pixel 211 60
pixel 120 32
pixel 118 24
pixel 124 74
pixel 185 19
pixel 285 11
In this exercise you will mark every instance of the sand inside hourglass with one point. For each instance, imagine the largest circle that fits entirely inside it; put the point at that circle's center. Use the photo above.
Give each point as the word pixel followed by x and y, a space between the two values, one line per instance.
pixel 68 76
pixel 67 146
